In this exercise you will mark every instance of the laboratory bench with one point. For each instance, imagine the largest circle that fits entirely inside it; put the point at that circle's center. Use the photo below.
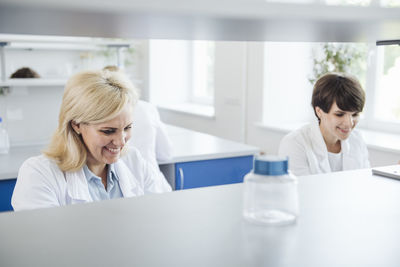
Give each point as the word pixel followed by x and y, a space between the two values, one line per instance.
pixel 346 218
pixel 198 160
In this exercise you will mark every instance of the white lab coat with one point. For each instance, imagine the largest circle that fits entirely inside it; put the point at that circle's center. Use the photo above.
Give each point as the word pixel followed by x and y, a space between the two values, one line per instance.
pixel 308 153
pixel 41 184
pixel 149 135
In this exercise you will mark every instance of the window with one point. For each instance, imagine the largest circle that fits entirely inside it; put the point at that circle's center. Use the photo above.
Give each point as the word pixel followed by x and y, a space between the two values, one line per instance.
pixel 349 2
pixel 384 96
pixel 287 90
pixel 383 3
pixel 292 68
pixel 181 73
pixel 390 3
pixel 202 90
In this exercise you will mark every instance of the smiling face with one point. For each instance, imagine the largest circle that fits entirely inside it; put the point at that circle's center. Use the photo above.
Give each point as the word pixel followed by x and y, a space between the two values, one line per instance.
pixel 336 124
pixel 104 141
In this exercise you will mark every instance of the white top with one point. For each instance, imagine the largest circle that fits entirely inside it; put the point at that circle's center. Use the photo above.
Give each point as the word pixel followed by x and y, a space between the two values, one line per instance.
pixel 149 135
pixel 41 184
pixel 335 161
pixel 308 154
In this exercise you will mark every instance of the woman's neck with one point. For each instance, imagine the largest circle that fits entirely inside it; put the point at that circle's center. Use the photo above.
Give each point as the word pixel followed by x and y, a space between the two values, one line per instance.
pixel 99 170
pixel 332 143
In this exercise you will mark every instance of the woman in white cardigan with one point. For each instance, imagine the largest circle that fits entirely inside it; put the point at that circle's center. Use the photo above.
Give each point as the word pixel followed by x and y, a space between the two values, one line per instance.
pixel 83 161
pixel 332 144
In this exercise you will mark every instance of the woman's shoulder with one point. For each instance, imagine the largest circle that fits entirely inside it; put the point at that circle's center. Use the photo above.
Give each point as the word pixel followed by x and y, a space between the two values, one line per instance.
pixel 132 158
pixel 302 139
pixel 39 160
pixel 356 134
pixel 133 152
pixel 145 108
pixel 356 138
pixel 40 163
pixel 300 133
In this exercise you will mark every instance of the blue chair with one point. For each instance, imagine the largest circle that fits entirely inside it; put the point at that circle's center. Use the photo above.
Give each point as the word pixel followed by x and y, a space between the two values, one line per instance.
pixel 6 190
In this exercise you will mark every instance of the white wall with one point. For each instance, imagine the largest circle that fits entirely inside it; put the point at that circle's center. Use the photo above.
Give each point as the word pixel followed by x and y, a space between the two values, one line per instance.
pixel 32 114
pixel 230 96
pixel 255 135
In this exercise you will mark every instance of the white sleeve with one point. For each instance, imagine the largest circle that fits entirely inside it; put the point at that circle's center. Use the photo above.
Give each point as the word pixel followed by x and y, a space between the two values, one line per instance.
pixel 366 156
pixel 298 163
pixel 33 188
pixel 153 179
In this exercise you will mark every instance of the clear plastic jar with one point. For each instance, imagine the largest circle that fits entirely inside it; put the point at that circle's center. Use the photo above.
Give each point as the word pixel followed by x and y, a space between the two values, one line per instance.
pixel 270 192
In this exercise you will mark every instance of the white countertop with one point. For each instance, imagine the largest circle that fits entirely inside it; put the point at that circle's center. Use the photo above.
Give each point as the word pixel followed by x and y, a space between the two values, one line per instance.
pixel 193 146
pixel 346 219
pixel 188 146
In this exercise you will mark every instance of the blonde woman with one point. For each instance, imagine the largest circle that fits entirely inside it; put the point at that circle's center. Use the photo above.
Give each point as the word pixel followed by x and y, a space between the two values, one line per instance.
pixel 83 161
pixel 150 136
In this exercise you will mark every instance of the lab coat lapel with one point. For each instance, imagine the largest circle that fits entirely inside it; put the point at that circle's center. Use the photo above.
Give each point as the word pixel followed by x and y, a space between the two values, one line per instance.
pixel 348 162
pixel 319 148
pixel 127 181
pixel 77 187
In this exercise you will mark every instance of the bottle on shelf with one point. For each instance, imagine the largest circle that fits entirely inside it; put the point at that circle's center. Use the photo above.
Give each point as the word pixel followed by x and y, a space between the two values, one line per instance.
pixel 270 192
pixel 4 140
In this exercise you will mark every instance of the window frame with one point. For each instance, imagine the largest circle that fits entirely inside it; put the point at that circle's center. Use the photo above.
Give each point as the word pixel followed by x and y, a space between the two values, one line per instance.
pixel 374 69
pixel 192 98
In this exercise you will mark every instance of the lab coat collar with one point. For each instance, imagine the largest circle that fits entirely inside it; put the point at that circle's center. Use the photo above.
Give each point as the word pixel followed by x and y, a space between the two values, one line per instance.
pixel 319 148
pixel 321 151
pixel 127 181
pixel 78 190
pixel 77 187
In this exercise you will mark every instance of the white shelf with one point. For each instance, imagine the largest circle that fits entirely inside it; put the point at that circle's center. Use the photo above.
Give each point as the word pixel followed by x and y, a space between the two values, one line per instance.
pixel 37 42
pixel 53 46
pixel 17 45
pixel 33 82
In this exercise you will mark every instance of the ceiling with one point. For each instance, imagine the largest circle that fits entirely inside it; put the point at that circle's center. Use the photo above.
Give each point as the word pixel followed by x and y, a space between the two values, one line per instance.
pixel 238 20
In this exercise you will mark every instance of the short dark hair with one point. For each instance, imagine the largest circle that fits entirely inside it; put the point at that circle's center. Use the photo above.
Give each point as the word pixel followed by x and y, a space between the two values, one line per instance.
pixel 341 88
pixel 25 72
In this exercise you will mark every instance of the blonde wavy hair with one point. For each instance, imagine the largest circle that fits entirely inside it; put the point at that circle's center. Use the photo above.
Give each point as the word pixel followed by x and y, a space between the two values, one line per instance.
pixel 90 97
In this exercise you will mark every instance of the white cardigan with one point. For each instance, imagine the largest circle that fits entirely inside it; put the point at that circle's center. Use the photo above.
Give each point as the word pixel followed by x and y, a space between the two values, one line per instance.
pixel 308 154
pixel 42 184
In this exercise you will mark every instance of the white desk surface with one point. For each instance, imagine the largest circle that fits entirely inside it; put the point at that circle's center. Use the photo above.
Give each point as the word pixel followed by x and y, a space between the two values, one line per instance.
pixel 346 219
pixel 188 146
pixel 192 146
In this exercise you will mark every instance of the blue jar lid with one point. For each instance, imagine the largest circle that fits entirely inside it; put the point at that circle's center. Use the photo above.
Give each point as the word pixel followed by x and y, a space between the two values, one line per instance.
pixel 271 165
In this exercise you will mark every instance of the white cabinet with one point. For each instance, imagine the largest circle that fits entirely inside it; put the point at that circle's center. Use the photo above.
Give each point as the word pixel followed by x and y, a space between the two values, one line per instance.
pixel 30 106
pixel 56 58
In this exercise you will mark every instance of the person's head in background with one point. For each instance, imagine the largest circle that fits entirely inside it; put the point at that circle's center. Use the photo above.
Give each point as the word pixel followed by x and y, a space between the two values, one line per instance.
pixel 94 120
pixel 337 100
pixel 111 68
pixel 24 72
